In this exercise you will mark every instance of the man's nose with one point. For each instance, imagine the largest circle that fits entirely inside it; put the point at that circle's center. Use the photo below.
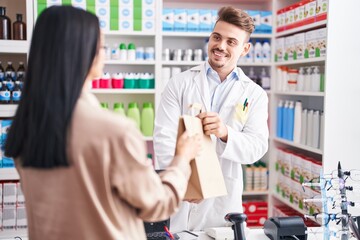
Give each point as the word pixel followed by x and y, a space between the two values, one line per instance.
pixel 222 45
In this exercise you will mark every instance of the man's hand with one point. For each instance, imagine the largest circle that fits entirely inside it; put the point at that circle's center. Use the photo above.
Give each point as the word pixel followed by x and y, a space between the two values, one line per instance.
pixel 212 124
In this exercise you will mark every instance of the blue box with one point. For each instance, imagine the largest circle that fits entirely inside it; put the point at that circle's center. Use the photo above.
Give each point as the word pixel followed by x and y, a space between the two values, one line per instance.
pixel 266 21
pixel 214 18
pixel 205 20
pixel 168 19
pixel 193 20
pixel 180 20
pixel 255 15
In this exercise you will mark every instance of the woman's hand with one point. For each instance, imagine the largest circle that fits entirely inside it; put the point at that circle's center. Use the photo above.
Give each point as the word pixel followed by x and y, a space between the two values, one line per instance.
pixel 188 147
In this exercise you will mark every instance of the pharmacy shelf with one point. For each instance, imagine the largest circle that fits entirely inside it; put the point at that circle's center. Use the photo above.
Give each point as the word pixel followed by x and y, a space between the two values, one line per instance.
pixel 8 174
pixel 309 94
pixel 206 34
pixel 7 110
pixel 182 63
pixel 14 46
pixel 241 64
pixel 122 91
pixel 14 234
pixel 137 62
pixel 302 28
pixel 286 202
pixel 302 61
pixel 120 33
pixel 255 193
pixel 297 145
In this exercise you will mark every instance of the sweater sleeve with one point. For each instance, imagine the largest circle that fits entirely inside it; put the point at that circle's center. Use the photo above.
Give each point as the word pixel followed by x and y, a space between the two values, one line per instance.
pixel 155 197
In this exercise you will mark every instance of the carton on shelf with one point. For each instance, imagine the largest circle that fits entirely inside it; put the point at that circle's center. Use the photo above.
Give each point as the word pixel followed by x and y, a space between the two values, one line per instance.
pixel 168 19
pixel 299 42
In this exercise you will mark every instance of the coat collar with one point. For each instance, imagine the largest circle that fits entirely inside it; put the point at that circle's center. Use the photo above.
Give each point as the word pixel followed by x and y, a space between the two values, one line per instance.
pixel 202 84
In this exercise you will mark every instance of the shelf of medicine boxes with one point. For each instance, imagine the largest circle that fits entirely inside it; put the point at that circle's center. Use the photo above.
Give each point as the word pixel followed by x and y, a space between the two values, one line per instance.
pixel 205 34
pixel 298 145
pixel 288 203
pixel 7 110
pixel 302 28
pixel 14 46
pixel 195 63
pixel 301 61
pixel 294 93
pixel 137 62
pixel 8 174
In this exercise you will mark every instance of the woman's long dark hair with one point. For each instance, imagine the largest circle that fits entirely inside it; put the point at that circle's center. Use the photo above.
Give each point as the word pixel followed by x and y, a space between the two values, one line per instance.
pixel 63 47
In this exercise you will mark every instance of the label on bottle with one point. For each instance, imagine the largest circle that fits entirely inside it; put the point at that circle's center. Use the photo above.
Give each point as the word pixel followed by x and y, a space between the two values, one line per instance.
pixel 2 75
pixel 4 96
pixel 16 95
pixel 10 73
pixel 10 85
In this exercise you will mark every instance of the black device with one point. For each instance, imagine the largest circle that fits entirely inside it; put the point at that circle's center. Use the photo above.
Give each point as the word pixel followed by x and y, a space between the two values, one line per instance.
pixel 282 228
pixel 237 219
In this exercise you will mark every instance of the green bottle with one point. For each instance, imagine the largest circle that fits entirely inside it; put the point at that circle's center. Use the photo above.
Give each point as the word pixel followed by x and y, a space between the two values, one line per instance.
pixel 134 113
pixel 147 119
pixel 119 108
pixel 105 105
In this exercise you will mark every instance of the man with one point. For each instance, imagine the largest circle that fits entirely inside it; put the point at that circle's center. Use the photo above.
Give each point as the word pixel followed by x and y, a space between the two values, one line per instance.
pixel 235 116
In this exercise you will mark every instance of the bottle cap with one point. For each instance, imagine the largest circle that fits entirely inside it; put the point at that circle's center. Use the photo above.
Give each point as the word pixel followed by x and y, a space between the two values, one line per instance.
pixel 9 63
pixel 105 105
pixel 133 105
pixel 19 17
pixel 118 105
pixel 131 46
pixel 147 105
pixel 122 46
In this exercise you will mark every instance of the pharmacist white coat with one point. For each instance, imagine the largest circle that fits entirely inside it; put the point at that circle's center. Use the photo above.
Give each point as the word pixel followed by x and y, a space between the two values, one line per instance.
pixel 247 140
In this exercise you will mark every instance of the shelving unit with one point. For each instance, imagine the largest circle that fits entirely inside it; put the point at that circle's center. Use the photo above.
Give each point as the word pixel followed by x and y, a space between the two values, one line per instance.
pixel 302 28
pixel 299 146
pixel 122 91
pixel 137 62
pixel 301 61
pixel 300 93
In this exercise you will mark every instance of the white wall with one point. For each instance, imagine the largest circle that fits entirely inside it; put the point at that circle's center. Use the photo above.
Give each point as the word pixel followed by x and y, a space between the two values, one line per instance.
pixel 342 101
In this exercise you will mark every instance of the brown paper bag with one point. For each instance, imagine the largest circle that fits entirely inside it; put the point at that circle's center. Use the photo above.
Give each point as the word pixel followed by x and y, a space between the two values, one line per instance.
pixel 206 179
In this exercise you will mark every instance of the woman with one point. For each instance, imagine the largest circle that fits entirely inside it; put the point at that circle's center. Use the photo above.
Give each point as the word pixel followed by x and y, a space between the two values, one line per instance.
pixel 83 169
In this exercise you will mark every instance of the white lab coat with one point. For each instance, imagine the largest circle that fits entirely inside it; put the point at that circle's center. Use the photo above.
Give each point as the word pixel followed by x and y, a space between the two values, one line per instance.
pixel 247 140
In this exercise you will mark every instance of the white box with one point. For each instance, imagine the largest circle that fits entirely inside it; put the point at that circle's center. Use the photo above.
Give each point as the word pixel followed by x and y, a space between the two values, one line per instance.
pixel 50 3
pixel 126 24
pixel 168 19
pixel 321 7
pixel 9 218
pixel 280 47
pixel 148 12
pixel 80 6
pixel 299 41
pixel 280 18
pixel 126 12
pixel 321 36
pixel 266 21
pixel 193 20
pixel 310 10
pixel 311 43
pixel 104 2
pixel 148 25
pixel 289 16
pixel 104 24
pixel 20 199
pixel 180 20
pixel 21 220
pixel 78 2
pixel 299 12
pixel 125 3
pixel 205 20
pixel 9 194
pixel 149 3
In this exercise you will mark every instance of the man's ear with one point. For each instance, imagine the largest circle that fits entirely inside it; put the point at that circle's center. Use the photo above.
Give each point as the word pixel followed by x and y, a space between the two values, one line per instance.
pixel 247 47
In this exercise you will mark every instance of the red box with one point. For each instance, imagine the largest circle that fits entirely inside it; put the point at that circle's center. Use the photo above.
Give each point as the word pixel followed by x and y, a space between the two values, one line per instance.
pixel 255 207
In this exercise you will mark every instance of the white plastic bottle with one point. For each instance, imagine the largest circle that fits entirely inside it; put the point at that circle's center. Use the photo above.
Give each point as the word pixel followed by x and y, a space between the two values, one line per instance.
pixel 265 79
pixel 308 78
pixel 315 80
pixel 206 45
pixel 131 52
pixel 309 130
pixel 316 129
pixel 115 52
pixel 301 79
pixel 303 126
pixel 123 52
pixel 266 52
pixel 258 52
pixel 297 121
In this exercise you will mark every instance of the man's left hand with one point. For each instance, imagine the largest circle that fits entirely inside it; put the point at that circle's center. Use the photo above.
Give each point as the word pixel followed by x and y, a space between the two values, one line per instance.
pixel 212 124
